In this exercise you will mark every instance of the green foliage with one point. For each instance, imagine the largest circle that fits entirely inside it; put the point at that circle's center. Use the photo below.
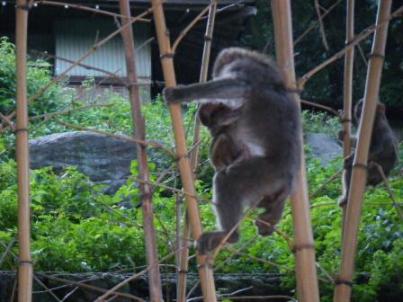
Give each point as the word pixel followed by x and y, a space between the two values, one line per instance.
pixel 320 123
pixel 38 76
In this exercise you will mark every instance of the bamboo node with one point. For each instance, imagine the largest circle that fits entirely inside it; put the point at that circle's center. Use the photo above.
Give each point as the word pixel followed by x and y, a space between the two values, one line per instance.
pixel 25 262
pixel 167 55
pixel 20 130
pixel 208 38
pixel 345 120
pixel 207 265
pixel 182 271
pixel 360 166
pixel 377 55
pixel 305 246
pixel 340 281
pixel 180 157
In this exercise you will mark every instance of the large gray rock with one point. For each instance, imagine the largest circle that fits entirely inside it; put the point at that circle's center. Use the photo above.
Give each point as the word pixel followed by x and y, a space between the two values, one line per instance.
pixel 104 159
pixel 323 147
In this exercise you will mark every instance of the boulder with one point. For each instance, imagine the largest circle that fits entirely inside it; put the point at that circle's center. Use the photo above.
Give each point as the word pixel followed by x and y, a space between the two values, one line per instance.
pixel 104 159
pixel 323 147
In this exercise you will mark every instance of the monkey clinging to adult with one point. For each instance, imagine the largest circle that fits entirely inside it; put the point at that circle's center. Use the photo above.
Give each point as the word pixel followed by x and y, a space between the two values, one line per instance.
pixel 260 125
pixel 383 150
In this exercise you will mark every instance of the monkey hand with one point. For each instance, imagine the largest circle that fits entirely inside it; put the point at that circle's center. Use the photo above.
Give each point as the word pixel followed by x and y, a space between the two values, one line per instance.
pixel 211 240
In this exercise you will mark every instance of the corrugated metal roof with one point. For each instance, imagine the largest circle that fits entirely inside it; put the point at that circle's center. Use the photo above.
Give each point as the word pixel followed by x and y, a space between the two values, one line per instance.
pixel 75 36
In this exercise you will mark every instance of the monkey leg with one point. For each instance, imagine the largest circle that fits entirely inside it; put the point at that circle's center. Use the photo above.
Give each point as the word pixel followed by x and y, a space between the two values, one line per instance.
pixel 242 184
pixel 228 209
pixel 274 206
pixel 374 176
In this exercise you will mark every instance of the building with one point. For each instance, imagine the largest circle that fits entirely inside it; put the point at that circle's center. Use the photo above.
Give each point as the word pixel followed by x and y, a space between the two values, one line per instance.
pixel 62 34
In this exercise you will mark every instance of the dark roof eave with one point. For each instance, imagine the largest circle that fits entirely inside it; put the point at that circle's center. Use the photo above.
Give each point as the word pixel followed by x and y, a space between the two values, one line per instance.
pixel 169 4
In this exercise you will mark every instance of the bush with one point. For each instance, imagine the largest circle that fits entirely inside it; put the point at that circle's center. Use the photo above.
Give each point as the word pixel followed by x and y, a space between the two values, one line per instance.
pixel 38 76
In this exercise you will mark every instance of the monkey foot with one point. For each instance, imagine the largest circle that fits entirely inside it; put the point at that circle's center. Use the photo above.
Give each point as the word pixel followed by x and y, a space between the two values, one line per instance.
pixel 211 240
pixel 265 228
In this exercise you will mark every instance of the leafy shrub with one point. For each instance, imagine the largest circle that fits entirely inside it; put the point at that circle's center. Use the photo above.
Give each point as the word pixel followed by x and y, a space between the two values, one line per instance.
pixel 38 76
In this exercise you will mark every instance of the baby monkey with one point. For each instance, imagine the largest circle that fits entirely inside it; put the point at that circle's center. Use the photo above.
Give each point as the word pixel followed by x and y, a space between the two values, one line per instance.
pixel 255 125
pixel 223 151
pixel 383 150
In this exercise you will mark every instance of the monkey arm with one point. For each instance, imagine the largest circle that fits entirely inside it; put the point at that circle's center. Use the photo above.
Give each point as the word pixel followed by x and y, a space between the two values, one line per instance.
pixel 213 91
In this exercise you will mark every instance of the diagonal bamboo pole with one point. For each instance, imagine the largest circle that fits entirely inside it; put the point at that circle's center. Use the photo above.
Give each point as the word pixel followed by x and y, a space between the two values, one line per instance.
pixel 154 279
pixel 205 271
pixel 359 174
pixel 194 155
pixel 348 89
pixel 307 283
pixel 24 216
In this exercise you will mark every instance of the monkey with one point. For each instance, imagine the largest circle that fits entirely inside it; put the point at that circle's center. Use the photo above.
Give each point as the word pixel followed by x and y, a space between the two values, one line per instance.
pixel 263 125
pixel 383 150
pixel 223 151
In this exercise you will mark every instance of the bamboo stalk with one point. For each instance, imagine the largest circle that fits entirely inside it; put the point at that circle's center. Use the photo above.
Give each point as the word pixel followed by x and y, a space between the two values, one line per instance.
pixel 194 155
pixel 348 90
pixel 321 26
pixel 154 278
pixel 188 28
pixel 307 283
pixel 348 79
pixel 25 268
pixel 359 173
pixel 340 54
pixel 205 271
pixel 204 73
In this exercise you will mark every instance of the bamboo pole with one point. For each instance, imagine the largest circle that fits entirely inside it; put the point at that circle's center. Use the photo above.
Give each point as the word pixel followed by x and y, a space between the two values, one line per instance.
pixel 194 156
pixel 307 283
pixel 348 89
pixel 154 279
pixel 359 174
pixel 205 271
pixel 25 268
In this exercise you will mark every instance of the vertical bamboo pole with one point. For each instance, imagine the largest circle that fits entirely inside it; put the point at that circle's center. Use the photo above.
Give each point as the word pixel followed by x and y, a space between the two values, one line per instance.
pixel 348 79
pixel 203 73
pixel 348 89
pixel 24 216
pixel 307 283
pixel 205 271
pixel 194 156
pixel 144 174
pixel 359 174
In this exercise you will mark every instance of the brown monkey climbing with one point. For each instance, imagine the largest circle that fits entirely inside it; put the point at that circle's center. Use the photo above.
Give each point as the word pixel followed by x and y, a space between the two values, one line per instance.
pixel 260 124
pixel 383 150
